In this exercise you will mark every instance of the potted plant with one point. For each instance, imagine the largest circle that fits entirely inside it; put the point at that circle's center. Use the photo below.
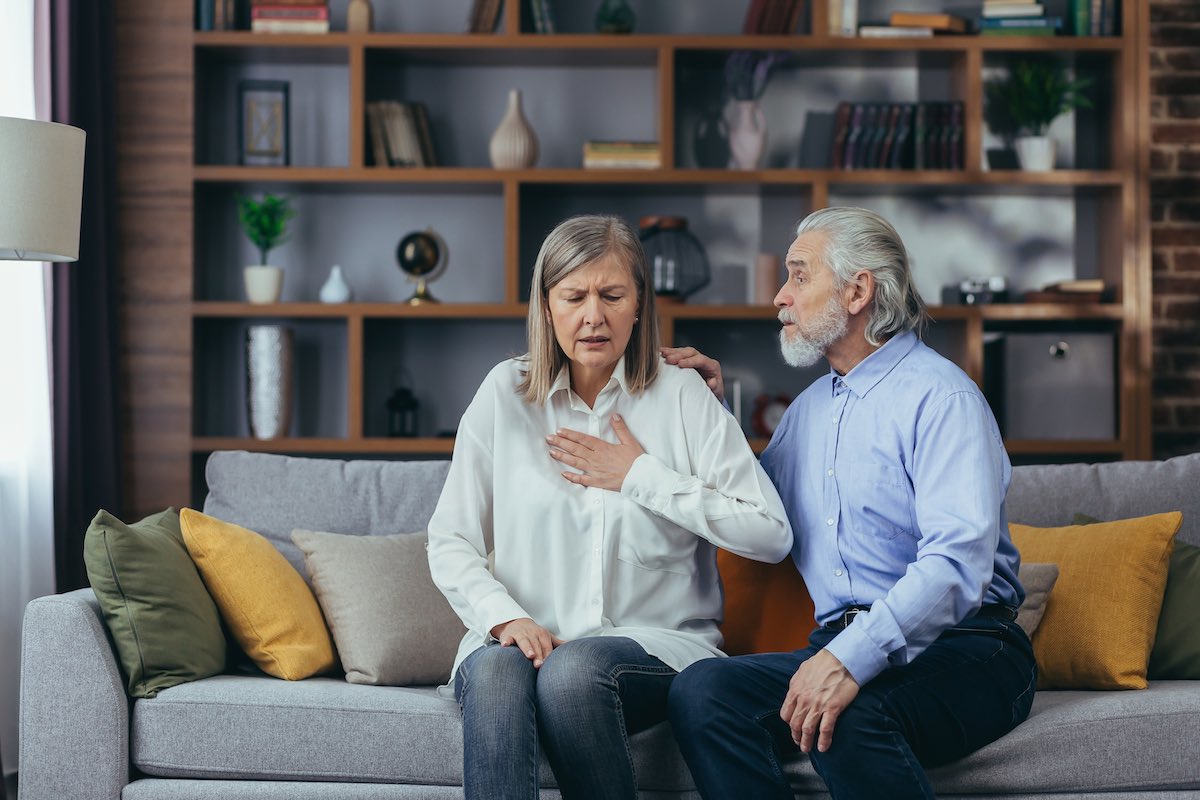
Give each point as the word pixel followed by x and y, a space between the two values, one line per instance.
pixel 1022 105
pixel 746 76
pixel 265 224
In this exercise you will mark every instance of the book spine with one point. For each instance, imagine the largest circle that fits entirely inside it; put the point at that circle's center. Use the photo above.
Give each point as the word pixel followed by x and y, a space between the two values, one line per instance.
pixel 289 12
pixel 1081 17
pixel 290 26
pixel 204 15
pixel 1021 22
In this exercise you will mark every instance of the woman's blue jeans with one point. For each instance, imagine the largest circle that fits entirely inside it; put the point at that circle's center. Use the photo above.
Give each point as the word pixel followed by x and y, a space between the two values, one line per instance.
pixel 969 688
pixel 581 706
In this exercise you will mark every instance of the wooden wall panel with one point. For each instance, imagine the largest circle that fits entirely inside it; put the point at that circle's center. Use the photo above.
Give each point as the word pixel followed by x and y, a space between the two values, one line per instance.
pixel 154 197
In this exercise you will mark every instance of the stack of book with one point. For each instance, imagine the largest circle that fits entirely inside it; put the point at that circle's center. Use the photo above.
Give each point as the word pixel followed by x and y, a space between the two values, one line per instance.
pixel 773 16
pixel 1017 18
pixel 910 24
pixel 400 135
pixel 898 136
pixel 1080 290
pixel 289 16
pixel 484 15
pixel 621 155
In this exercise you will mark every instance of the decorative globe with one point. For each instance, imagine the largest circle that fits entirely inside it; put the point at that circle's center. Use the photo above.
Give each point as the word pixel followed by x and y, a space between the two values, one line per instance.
pixel 418 254
pixel 422 256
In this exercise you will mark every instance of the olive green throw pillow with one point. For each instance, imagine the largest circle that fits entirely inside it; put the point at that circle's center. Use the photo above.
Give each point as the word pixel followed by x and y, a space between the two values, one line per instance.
pixel 164 626
pixel 1176 653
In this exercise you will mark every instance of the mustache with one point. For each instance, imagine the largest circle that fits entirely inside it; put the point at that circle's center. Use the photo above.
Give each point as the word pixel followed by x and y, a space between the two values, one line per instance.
pixel 785 316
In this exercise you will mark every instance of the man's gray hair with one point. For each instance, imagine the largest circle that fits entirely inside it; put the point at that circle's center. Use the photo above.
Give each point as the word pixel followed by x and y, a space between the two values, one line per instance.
pixel 858 239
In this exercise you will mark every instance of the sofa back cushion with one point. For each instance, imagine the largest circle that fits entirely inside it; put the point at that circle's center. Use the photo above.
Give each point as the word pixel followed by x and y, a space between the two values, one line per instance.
pixel 274 495
pixel 1050 496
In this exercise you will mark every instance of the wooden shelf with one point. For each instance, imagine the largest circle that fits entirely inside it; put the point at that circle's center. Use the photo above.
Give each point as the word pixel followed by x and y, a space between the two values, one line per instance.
pixel 571 41
pixel 410 177
pixel 399 310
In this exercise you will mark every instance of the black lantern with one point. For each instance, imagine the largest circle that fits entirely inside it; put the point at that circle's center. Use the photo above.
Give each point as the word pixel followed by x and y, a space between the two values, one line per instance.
pixel 402 413
pixel 676 258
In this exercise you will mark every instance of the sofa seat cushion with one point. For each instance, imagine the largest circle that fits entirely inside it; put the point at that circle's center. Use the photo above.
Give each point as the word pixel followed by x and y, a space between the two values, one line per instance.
pixel 322 729
pixel 1078 741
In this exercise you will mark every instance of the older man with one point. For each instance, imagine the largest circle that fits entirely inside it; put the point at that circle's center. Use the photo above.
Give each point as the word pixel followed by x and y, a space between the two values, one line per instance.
pixel 894 476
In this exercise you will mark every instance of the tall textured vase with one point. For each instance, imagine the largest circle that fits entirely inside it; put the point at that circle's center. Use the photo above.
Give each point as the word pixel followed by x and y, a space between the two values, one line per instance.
pixel 514 144
pixel 269 380
pixel 747 134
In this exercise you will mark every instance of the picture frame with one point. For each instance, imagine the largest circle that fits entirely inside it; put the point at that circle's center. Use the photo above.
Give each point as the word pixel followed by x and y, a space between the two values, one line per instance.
pixel 264 123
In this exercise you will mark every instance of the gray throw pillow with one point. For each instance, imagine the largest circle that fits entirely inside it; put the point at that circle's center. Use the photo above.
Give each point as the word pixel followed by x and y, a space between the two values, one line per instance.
pixel 391 624
pixel 1038 580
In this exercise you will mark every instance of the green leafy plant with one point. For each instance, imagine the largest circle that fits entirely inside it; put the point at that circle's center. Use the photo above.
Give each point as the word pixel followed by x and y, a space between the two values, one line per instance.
pixel 265 221
pixel 1033 94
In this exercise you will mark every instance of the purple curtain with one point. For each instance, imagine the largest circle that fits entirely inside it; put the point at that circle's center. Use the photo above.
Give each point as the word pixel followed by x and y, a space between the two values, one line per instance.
pixel 84 296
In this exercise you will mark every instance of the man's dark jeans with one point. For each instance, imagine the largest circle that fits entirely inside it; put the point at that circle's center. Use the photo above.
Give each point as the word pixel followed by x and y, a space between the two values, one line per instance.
pixel 969 688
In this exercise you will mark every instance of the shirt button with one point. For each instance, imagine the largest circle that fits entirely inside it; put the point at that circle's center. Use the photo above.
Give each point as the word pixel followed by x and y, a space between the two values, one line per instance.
pixel 833 420
pixel 595 601
pixel 596 502
pixel 838 573
pixel 595 551
pixel 829 521
pixel 829 472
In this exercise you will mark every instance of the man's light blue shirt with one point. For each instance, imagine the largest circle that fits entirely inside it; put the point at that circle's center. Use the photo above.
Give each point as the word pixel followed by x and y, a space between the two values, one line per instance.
pixel 894 478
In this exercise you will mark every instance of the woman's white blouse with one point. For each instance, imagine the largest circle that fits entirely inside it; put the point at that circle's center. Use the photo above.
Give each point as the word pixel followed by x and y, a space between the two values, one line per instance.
pixel 583 561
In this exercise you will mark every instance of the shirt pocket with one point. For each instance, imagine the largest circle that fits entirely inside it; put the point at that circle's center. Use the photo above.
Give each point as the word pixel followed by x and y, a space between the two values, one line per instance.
pixel 650 542
pixel 879 501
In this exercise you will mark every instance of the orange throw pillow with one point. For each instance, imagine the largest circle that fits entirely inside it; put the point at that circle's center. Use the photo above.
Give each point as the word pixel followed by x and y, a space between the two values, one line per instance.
pixel 767 607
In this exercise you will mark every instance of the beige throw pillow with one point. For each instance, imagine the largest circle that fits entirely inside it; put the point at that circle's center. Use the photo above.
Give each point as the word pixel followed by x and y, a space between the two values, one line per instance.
pixel 1038 580
pixel 391 624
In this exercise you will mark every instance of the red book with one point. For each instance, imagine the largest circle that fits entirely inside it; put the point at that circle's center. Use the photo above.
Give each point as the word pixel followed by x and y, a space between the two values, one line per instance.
pixel 289 12
pixel 754 16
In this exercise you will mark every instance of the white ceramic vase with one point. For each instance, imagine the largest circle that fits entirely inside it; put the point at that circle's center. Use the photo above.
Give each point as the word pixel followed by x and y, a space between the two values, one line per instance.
pixel 359 16
pixel 335 289
pixel 514 144
pixel 747 134
pixel 269 380
pixel 264 284
pixel 1035 153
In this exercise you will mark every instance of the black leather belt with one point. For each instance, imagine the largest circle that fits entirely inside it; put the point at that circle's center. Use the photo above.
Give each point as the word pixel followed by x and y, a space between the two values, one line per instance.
pixel 992 610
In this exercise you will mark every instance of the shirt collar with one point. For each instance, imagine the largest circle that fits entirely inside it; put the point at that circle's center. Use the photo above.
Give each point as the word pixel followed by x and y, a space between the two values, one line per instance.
pixel 563 379
pixel 872 369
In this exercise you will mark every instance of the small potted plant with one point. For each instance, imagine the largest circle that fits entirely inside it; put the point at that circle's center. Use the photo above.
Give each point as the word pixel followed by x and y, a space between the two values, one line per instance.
pixel 746 76
pixel 1022 105
pixel 265 224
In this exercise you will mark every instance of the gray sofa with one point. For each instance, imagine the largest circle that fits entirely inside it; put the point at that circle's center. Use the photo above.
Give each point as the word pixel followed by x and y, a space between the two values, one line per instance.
pixel 238 736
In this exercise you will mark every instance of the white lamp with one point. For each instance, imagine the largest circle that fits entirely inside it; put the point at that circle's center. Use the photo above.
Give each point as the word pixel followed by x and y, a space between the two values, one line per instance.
pixel 41 190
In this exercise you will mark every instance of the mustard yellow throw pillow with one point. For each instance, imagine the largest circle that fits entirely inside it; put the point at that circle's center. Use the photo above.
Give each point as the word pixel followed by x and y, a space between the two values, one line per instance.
pixel 266 604
pixel 1102 615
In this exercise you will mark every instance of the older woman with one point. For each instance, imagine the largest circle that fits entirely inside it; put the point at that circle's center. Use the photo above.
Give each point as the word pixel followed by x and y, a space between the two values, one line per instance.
pixel 601 480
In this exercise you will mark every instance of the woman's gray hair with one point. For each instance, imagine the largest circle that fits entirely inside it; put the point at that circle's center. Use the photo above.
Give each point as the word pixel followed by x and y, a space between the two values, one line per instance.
pixel 859 239
pixel 575 243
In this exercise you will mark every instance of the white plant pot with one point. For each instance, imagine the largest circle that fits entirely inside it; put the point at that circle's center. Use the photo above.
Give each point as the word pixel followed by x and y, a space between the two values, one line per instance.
pixel 263 283
pixel 747 134
pixel 1036 153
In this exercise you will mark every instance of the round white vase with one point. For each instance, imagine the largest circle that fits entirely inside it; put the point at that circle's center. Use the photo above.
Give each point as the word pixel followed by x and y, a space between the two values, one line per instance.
pixel 335 289
pixel 264 284
pixel 1036 153
pixel 747 134
pixel 514 144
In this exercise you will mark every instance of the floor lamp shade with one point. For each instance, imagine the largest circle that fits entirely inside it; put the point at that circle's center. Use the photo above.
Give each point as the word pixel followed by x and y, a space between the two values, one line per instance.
pixel 41 190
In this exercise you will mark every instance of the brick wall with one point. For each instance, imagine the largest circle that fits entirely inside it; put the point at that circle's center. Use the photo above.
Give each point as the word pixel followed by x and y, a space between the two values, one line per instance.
pixel 1175 223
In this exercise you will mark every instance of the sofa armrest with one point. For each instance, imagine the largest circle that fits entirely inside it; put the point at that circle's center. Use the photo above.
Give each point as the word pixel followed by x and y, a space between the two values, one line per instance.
pixel 74 727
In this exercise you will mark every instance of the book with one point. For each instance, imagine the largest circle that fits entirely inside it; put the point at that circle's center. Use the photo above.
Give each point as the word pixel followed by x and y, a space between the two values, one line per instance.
pixel 1053 23
pixel 1017 32
pixel 1014 10
pixel 289 25
pixel 890 32
pixel 424 134
pixel 1050 296
pixel 754 16
pixel 289 12
pixel 379 143
pixel 950 23
pixel 1077 285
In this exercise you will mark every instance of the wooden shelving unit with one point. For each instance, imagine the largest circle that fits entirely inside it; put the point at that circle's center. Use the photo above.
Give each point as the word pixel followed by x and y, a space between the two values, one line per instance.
pixel 1113 189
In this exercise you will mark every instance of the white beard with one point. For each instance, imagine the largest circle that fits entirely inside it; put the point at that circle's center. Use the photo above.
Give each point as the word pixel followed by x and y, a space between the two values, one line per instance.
pixel 804 345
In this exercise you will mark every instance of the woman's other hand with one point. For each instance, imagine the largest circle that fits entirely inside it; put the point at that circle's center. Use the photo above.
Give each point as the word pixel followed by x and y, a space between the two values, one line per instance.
pixel 691 358
pixel 535 641
pixel 603 464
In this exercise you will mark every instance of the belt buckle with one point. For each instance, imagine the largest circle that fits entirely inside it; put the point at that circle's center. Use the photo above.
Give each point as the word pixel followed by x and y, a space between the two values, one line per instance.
pixel 849 616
